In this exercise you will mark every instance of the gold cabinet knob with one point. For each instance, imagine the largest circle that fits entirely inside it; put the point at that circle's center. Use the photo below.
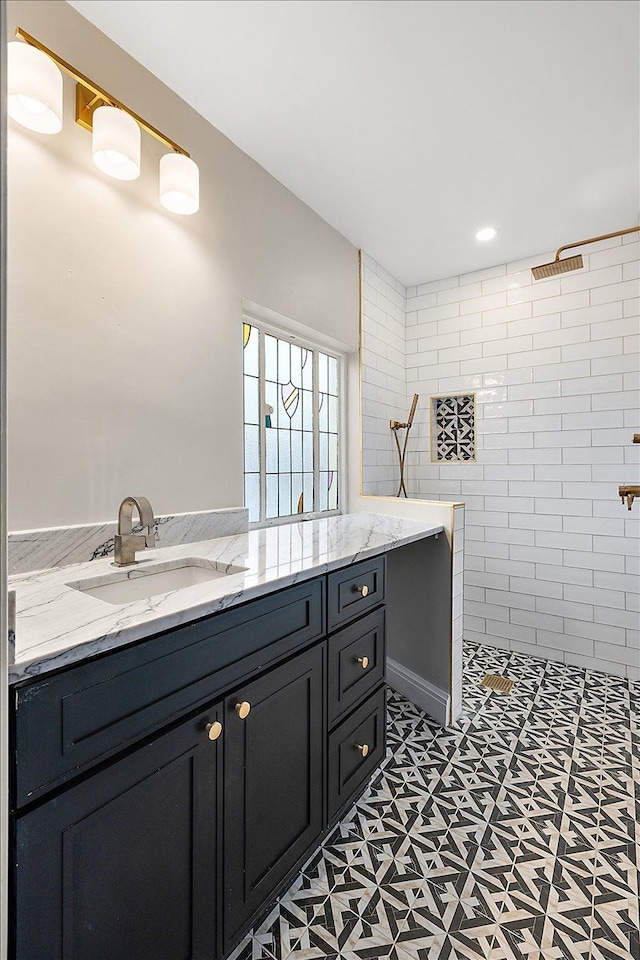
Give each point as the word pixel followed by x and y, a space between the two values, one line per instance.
pixel 214 730
pixel 363 590
pixel 364 661
pixel 242 709
pixel 363 748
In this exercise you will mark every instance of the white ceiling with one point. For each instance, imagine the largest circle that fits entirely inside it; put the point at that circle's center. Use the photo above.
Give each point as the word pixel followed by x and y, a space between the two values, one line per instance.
pixel 409 125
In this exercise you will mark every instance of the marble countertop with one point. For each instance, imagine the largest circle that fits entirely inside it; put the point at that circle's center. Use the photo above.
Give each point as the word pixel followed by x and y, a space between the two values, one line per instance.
pixel 58 625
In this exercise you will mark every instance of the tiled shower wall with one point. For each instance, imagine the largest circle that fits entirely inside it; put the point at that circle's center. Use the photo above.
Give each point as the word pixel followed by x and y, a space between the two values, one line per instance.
pixel 384 384
pixel 552 557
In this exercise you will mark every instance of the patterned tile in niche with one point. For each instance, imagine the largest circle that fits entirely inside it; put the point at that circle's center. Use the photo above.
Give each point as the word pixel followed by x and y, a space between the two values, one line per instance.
pixel 453 431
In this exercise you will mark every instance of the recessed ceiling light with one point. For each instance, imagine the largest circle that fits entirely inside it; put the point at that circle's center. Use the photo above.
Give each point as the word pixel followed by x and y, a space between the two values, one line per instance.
pixel 487 233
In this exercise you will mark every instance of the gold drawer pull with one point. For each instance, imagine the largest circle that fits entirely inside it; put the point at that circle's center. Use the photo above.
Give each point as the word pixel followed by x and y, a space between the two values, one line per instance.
pixel 242 709
pixel 363 590
pixel 214 730
pixel 364 661
pixel 363 748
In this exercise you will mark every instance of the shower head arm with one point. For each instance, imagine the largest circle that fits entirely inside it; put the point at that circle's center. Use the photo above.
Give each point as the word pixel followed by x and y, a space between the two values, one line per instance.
pixel 604 236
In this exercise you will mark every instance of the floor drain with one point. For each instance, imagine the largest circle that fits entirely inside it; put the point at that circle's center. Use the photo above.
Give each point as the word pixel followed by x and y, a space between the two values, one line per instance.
pixel 495 682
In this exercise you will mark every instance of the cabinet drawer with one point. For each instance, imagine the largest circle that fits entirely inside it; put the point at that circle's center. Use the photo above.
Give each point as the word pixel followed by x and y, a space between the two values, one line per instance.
pixel 68 722
pixel 348 768
pixel 355 590
pixel 356 663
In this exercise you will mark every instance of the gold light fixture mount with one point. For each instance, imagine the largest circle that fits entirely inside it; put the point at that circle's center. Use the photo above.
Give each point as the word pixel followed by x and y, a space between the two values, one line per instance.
pixel 87 102
pixel 89 96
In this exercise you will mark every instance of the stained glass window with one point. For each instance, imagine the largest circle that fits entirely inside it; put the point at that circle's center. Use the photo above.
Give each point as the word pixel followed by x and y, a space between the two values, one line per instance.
pixel 291 427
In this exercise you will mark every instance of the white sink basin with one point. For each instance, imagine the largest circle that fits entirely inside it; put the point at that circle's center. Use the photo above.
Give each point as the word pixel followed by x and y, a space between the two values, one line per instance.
pixel 138 583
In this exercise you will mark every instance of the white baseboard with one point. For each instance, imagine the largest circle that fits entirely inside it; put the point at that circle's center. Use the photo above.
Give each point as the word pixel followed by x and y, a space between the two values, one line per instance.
pixel 433 700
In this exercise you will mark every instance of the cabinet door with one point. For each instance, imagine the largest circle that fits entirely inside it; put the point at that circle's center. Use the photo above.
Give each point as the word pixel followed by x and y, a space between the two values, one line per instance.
pixel 124 863
pixel 273 783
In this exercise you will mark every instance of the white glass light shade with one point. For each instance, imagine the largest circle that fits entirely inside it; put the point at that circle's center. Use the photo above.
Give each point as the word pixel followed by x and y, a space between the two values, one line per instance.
pixel 116 143
pixel 34 88
pixel 179 183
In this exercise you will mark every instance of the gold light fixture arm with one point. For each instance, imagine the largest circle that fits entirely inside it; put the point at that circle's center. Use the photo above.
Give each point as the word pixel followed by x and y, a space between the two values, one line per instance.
pixel 604 236
pixel 89 96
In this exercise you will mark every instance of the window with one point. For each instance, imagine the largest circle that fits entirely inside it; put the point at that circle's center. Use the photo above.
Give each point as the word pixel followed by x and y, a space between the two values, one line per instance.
pixel 291 432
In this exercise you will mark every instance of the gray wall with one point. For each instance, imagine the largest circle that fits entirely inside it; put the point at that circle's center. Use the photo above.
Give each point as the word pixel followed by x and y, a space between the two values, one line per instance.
pixel 125 358
pixel 419 609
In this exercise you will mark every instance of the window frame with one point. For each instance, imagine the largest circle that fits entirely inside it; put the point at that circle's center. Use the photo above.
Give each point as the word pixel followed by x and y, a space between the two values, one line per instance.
pixel 307 343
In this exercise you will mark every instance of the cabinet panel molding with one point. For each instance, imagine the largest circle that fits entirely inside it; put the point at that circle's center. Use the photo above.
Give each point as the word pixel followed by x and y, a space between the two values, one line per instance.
pixel 273 804
pixel 115 866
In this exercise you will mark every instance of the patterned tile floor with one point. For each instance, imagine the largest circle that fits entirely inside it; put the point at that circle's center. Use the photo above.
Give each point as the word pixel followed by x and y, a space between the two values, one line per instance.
pixel 513 835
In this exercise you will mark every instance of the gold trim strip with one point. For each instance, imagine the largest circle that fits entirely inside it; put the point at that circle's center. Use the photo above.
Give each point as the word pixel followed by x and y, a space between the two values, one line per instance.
pixel 452 526
pixel 108 99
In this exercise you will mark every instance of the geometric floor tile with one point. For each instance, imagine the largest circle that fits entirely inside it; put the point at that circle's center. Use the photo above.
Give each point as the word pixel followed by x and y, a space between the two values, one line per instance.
pixel 514 835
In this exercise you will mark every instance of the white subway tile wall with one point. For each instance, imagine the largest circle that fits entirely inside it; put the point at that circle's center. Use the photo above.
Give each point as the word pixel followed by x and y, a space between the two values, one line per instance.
pixel 552 557
pixel 383 381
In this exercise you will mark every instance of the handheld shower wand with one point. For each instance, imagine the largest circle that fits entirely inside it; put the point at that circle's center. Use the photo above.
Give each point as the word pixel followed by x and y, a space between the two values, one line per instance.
pixel 395 425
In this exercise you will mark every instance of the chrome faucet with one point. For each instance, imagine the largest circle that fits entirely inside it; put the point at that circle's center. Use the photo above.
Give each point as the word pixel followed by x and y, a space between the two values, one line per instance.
pixel 126 542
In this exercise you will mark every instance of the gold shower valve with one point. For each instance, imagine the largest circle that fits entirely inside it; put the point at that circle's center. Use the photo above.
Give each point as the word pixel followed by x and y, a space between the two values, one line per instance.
pixel 628 494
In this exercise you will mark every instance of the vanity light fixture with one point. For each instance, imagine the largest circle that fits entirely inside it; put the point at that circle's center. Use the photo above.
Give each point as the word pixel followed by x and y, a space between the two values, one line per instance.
pixel 35 91
pixel 487 233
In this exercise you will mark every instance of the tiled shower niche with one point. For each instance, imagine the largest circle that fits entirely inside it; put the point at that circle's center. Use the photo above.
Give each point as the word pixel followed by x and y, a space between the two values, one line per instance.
pixel 453 428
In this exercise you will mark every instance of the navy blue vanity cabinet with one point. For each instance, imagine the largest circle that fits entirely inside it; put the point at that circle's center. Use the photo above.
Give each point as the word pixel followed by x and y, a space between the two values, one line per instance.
pixel 164 794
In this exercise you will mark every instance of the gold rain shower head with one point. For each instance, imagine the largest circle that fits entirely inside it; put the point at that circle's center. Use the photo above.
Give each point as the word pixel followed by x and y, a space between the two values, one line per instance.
pixel 558 266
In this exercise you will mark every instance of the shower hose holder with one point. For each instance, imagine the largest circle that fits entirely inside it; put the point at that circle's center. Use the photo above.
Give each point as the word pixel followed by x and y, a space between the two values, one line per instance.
pixel 394 426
